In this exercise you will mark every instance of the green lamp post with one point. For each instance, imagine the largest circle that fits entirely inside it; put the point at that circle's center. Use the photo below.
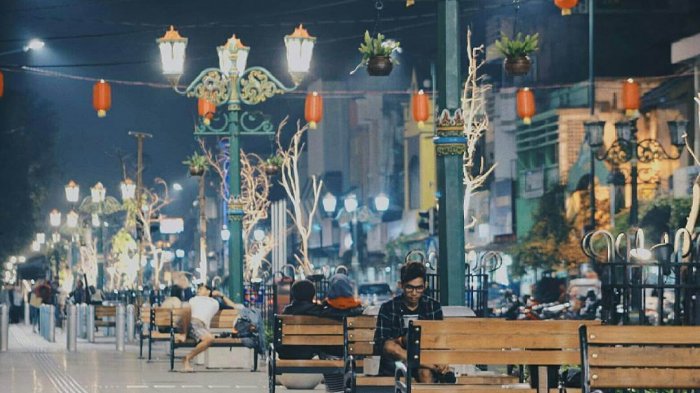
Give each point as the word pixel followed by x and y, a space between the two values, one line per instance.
pixel 229 87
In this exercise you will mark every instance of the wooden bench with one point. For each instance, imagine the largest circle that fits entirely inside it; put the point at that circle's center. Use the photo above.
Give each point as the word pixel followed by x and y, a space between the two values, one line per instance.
pixel 103 312
pixel 222 322
pixel 359 338
pixel 161 321
pixel 303 331
pixel 640 357
pixel 472 341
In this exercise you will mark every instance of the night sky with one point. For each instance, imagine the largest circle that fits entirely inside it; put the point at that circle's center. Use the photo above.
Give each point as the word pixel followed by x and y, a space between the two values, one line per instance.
pixel 115 40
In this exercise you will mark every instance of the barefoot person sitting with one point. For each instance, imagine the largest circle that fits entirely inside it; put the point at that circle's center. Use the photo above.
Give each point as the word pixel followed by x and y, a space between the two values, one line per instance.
pixel 203 308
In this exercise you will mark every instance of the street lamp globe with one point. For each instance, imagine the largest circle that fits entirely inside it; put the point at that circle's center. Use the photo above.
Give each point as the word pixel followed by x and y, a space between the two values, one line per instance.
pixel 36 246
pixel 233 56
pixel 95 220
pixel 55 218
pixel 623 130
pixel 98 193
pixel 13 259
pixel 381 202
pixel 34 44
pixel 594 133
pixel 172 54
pixel 128 189
pixel 677 130
pixel 41 238
pixel 225 233
pixel 55 237
pixel 350 203
pixel 22 259
pixel 72 192
pixel 330 202
pixel 300 48
pixel 72 219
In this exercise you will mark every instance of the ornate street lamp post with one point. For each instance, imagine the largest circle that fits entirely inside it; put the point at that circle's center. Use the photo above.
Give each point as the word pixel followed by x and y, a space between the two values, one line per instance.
pixel 626 148
pixel 229 87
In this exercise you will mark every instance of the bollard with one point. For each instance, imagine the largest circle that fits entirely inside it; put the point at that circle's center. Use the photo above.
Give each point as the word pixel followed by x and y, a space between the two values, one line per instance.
pixel 82 320
pixel 51 318
pixel 72 328
pixel 119 328
pixel 4 327
pixel 90 323
pixel 27 319
pixel 130 322
pixel 42 323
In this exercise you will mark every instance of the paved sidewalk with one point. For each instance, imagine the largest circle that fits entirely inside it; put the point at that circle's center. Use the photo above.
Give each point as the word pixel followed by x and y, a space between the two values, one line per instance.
pixel 34 365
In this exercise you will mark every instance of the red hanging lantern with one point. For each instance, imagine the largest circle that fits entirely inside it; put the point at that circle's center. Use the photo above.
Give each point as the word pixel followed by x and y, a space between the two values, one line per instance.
pixel 206 110
pixel 525 100
pixel 421 107
pixel 313 109
pixel 2 84
pixel 101 97
pixel 630 97
pixel 566 5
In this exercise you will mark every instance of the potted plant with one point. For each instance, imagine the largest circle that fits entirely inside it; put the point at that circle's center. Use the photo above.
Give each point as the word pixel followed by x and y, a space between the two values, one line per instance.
pixel 516 52
pixel 272 164
pixel 378 55
pixel 197 164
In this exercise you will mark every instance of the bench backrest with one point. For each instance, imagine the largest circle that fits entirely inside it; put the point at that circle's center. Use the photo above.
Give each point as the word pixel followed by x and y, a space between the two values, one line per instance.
pixel 167 317
pixel 303 330
pixel 105 311
pixel 360 335
pixel 145 315
pixel 653 357
pixel 494 342
pixel 224 319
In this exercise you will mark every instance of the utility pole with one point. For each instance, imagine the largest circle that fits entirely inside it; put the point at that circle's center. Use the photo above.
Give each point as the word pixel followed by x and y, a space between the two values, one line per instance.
pixel 140 137
pixel 203 265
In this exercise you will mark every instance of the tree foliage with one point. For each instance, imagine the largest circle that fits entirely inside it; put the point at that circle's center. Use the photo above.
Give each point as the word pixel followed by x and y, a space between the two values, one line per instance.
pixel 26 164
pixel 552 241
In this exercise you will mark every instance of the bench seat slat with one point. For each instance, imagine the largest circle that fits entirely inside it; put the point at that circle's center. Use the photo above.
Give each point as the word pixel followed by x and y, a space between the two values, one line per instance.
pixel 361 334
pixel 361 348
pixel 306 320
pixel 362 322
pixel 488 341
pixel 525 357
pixel 309 363
pixel 644 335
pixel 311 329
pixel 659 378
pixel 469 326
pixel 429 388
pixel 313 340
pixel 644 357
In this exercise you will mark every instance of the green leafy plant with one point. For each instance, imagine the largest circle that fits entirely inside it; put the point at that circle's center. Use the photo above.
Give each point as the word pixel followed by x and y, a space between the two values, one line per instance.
pixel 197 162
pixel 520 46
pixel 275 160
pixel 377 46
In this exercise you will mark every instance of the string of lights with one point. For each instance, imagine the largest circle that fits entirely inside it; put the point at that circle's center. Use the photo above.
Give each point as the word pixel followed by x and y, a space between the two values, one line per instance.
pixel 326 93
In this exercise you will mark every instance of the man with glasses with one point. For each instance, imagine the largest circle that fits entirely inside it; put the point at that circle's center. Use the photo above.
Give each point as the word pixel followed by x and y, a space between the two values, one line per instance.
pixel 394 317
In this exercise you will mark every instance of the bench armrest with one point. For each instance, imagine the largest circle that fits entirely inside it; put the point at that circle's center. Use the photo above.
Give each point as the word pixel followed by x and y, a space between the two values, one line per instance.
pixel 402 372
pixel 350 374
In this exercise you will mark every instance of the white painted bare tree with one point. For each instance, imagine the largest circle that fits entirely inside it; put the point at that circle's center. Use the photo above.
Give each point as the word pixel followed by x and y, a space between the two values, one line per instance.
pixel 476 123
pixel 301 214
pixel 695 207
pixel 152 202
pixel 255 193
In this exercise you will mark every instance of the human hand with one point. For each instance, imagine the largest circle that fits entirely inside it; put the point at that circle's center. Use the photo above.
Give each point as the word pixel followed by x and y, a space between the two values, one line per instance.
pixel 442 368
pixel 216 293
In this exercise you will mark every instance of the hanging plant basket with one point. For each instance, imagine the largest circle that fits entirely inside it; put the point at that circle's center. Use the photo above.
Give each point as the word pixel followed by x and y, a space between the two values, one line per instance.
pixel 379 66
pixel 196 171
pixel 271 169
pixel 517 66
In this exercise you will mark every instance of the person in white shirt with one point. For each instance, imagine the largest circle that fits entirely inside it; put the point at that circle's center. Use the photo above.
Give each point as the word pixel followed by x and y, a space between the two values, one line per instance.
pixel 203 308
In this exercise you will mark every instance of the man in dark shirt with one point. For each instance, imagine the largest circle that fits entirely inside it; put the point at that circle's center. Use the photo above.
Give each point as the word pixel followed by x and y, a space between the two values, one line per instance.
pixel 393 319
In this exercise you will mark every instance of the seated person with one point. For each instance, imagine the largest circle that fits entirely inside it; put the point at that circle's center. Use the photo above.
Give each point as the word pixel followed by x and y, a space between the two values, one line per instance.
pixel 393 319
pixel 340 303
pixel 303 293
pixel 203 308
pixel 175 298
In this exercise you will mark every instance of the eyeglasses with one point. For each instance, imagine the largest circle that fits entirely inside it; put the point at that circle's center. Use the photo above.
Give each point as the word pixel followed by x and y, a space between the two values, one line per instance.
pixel 411 288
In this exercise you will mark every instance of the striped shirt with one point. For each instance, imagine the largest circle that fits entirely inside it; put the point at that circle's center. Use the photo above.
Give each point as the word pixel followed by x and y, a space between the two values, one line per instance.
pixel 392 323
